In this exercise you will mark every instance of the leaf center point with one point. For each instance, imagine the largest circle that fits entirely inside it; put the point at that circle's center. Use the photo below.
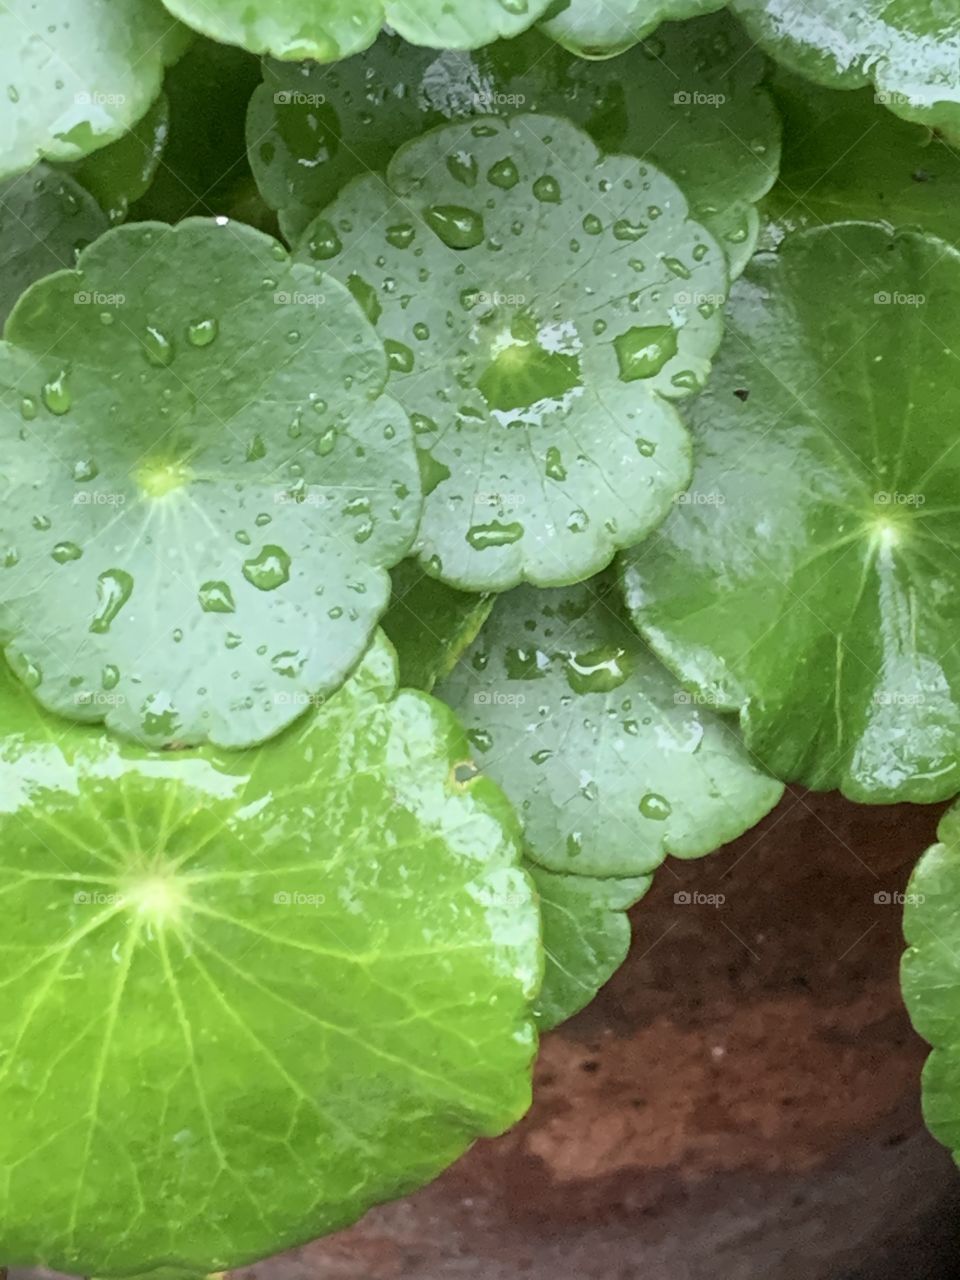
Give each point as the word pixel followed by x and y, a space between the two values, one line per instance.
pixel 157 478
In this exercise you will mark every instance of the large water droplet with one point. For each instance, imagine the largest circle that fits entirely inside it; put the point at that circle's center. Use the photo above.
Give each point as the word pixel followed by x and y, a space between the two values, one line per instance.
pixel 598 671
pixel 202 332
pixel 547 190
pixel 655 807
pixel 56 394
pixel 495 534
pixel 268 570
pixel 157 347
pixel 456 226
pixel 114 587
pixel 503 173
pixel 643 350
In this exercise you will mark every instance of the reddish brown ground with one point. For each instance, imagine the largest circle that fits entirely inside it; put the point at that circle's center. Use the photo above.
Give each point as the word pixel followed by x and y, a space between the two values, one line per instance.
pixel 739 1104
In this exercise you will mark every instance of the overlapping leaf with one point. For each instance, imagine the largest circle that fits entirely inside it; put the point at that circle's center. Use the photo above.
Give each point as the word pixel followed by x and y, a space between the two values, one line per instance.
pixel 909 50
pixel 430 624
pixel 611 763
pixel 245 997
pixel 202 491
pixel 46 218
pixel 846 157
pixel 594 30
pixel 690 100
pixel 810 577
pixel 586 936
pixel 540 306
pixel 121 173
pixel 78 74
pixel 930 975
pixel 325 30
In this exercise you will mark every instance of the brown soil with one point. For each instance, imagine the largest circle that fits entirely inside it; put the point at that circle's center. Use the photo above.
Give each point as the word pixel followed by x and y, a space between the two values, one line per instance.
pixel 740 1102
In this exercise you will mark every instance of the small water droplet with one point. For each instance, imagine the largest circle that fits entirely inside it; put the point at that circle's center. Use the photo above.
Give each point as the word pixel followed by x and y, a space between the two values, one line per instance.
pixel 63 552
pixel 157 347
pixel 56 394
pixel 503 173
pixel 555 468
pixel 547 189
pixel 324 243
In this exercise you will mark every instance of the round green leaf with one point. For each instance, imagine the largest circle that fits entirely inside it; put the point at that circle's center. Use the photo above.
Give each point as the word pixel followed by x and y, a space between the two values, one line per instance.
pixel 611 764
pixel 594 30
pixel 586 937
pixel 78 73
pixel 930 975
pixel 690 100
pixel 201 490
pixel 325 30
pixel 909 50
pixel 247 996
pixel 121 173
pixel 46 218
pixel 811 575
pixel 538 303
pixel 846 158
pixel 430 624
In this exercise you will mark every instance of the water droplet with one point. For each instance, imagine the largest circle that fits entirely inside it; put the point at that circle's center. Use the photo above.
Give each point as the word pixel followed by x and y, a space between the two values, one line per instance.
pixel 256 449
pixel 28 408
pixel 85 469
pixel 216 597
pixel 643 350
pixel 401 235
pixel 599 670
pixel 677 267
pixel 202 332
pixel 421 332
pixel 555 468
pixel 456 226
pixel 325 442
pixel 56 394
pixel 110 676
pixel 547 190
pixel 157 347
pixel 113 591
pixel 646 447
pixel 503 173
pixel 66 551
pixel 655 807
pixel 516 7
pixel 399 356
pixel 495 534
pixel 624 229
pixel 686 380
pixel 324 243
pixel 269 570
pixel 592 224
pixel 463 168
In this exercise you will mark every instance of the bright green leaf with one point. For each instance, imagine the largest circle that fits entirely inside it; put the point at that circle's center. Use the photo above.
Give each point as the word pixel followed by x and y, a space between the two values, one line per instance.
pixel 538 304
pixel 586 936
pixel 601 30
pixel 325 30
pixel 810 575
pixel 690 100
pixel 247 996
pixel 909 50
pixel 78 74
pixel 846 158
pixel 202 492
pixel 611 764
pixel 46 218
pixel 430 624
pixel 930 975
pixel 121 172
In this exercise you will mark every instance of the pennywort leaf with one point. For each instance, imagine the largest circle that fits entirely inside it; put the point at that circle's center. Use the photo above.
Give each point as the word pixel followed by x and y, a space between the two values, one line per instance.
pixel 121 173
pixel 586 936
pixel 46 218
pixel 202 489
pixel 909 50
pixel 611 763
pixel 809 577
pixel 690 99
pixel 594 30
pixel 78 73
pixel 930 975
pixel 326 30
pixel 430 624
pixel 540 305
pixel 305 973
